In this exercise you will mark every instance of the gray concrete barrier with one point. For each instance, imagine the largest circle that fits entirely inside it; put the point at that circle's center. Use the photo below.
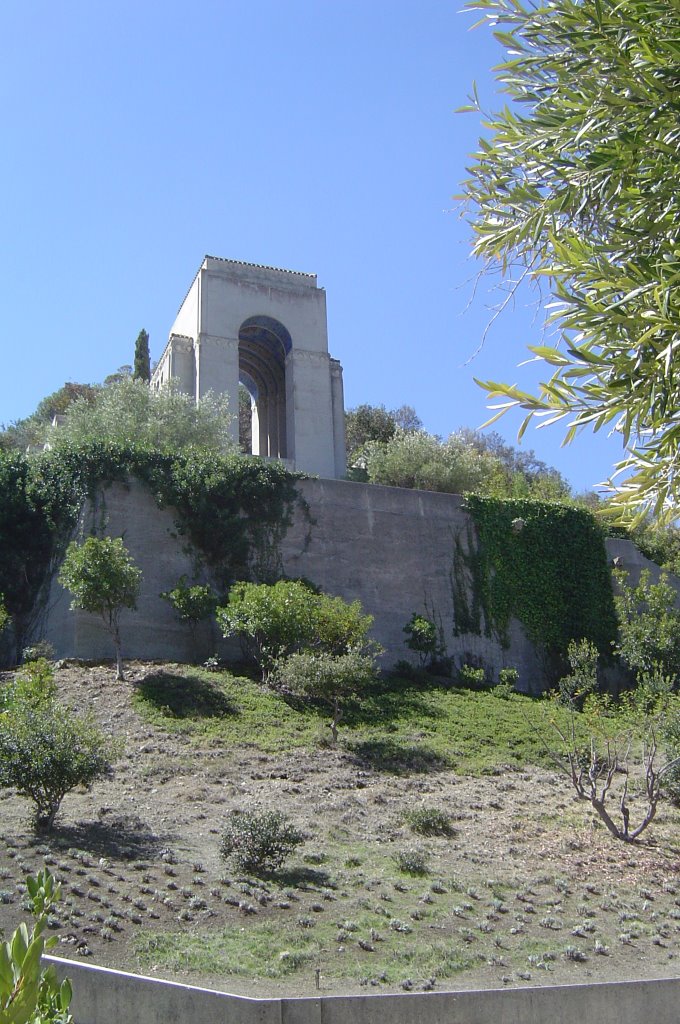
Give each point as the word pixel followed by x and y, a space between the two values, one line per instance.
pixel 103 996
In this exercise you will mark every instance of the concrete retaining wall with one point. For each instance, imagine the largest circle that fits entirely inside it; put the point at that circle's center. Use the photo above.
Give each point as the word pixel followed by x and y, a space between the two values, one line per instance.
pixel 102 996
pixel 391 548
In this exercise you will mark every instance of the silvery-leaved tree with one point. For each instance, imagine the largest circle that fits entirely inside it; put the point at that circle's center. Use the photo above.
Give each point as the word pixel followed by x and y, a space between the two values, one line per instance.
pixel 576 184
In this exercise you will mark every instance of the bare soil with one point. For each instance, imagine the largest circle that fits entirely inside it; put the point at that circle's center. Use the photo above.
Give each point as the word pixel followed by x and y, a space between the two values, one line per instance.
pixel 529 889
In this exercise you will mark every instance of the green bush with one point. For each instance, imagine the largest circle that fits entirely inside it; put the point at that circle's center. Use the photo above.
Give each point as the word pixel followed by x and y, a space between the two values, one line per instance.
pixel 259 842
pixel 273 621
pixel 429 821
pixel 192 604
pixel 582 680
pixel 331 678
pixel 33 684
pixel 46 749
pixel 471 678
pixel 411 862
pixel 423 638
pixel 507 683
pixel 649 624
pixel 40 649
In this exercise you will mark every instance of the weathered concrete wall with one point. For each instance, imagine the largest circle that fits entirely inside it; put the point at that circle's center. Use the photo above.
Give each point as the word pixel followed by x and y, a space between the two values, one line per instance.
pixel 102 996
pixel 153 631
pixel 390 548
pixel 393 549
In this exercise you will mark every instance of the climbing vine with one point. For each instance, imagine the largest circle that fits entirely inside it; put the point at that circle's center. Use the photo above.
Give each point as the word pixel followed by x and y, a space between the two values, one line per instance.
pixel 232 510
pixel 546 565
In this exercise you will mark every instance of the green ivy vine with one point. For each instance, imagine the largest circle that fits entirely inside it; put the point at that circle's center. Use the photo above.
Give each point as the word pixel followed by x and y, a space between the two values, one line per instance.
pixel 546 565
pixel 231 509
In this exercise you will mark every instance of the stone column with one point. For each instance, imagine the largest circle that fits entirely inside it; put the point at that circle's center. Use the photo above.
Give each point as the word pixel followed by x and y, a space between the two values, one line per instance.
pixel 339 440
pixel 217 371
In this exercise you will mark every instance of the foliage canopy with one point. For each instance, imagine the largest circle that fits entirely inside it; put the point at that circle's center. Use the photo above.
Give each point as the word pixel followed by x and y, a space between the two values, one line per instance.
pixel 129 411
pixel 274 621
pixel 576 184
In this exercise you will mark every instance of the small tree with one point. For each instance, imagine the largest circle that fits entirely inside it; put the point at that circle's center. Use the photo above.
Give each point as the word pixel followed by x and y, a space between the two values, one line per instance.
pixel 192 604
pixel 330 678
pixel 103 580
pixel 29 993
pixel 46 749
pixel 4 615
pixel 142 367
pixel 621 754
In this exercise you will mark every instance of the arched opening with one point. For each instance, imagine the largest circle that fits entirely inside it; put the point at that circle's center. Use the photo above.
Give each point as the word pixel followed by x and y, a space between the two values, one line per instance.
pixel 263 344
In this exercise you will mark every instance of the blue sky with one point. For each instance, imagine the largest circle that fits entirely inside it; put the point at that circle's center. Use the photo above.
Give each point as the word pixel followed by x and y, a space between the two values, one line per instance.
pixel 318 137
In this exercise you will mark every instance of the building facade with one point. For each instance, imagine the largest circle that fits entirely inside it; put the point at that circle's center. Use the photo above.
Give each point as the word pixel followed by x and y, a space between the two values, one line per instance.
pixel 263 328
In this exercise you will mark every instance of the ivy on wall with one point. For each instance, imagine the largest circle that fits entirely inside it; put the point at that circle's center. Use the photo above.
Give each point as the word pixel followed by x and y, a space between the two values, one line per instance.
pixel 232 510
pixel 546 565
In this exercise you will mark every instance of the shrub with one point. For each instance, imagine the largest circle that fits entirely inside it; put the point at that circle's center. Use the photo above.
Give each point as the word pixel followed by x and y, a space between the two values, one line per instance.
pixel 507 682
pixel 582 680
pixel 423 638
pixel 191 604
pixel 273 621
pixel 330 678
pixel 29 992
pixel 40 649
pixel 429 821
pixel 32 684
pixel 470 677
pixel 259 842
pixel 4 614
pixel 649 624
pixel 411 862
pixel 46 750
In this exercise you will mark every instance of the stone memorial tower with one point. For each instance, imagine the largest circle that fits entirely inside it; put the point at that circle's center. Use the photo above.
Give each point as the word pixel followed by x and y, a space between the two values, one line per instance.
pixel 265 328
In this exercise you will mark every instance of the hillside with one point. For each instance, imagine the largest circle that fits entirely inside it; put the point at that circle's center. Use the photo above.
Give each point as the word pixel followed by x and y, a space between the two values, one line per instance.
pixel 527 888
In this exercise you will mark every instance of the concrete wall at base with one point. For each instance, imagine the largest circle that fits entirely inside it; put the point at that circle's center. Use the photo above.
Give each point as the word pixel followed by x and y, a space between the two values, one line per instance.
pixel 392 549
pixel 102 996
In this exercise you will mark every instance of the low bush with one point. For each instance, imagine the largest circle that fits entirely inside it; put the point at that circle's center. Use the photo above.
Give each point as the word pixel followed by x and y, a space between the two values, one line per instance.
pixel 330 678
pixel 259 842
pixel 429 821
pixel 507 683
pixel 192 604
pixel 46 749
pixel 273 621
pixel 40 649
pixel 471 678
pixel 411 862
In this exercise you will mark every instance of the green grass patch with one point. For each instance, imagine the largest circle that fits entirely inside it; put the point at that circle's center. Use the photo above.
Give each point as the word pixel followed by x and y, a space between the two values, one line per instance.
pixel 399 727
pixel 273 949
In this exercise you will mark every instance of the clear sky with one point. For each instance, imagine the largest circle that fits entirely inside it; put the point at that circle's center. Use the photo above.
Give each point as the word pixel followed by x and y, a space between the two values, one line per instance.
pixel 316 136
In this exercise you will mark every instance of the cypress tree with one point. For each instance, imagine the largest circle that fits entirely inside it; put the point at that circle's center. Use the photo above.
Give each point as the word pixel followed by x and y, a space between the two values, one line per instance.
pixel 142 370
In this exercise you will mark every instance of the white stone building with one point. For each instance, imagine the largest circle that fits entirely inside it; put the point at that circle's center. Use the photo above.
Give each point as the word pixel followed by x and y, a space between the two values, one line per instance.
pixel 265 328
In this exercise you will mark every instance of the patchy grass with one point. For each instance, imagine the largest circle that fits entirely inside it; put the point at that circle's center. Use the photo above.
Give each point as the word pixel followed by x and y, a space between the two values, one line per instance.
pixel 399 727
